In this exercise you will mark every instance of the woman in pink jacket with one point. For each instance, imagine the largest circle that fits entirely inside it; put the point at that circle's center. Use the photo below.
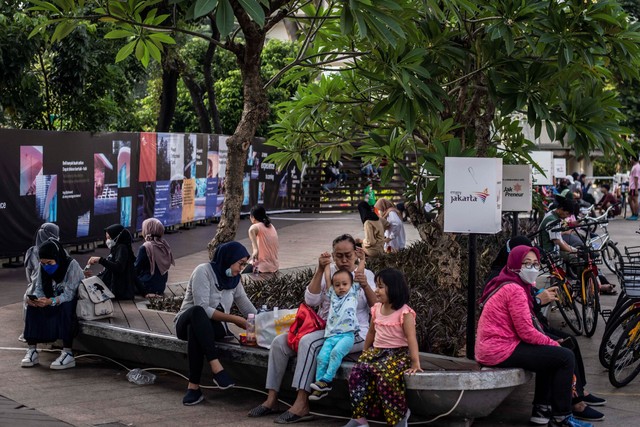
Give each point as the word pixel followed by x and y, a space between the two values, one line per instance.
pixel 508 338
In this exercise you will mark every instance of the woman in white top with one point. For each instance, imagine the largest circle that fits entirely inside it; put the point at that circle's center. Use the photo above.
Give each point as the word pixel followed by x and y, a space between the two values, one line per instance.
pixel 395 230
pixel 213 288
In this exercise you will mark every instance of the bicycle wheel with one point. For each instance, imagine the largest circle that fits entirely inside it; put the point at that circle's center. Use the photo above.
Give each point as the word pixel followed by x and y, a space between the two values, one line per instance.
pixel 625 360
pixel 567 306
pixel 612 334
pixel 611 256
pixel 591 303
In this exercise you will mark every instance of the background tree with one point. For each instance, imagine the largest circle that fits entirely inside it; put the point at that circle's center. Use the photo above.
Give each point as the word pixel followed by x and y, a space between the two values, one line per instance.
pixel 239 26
pixel 464 82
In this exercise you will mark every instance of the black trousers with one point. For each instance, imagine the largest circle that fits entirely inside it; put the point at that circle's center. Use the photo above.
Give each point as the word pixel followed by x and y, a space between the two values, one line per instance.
pixel 571 343
pixel 200 332
pixel 553 367
pixel 48 324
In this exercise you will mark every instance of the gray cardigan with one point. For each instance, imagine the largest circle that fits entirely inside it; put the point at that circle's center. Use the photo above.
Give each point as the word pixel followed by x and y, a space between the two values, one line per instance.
pixel 202 291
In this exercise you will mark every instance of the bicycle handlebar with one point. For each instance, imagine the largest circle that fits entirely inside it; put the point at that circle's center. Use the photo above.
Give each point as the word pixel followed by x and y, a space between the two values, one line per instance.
pixel 584 225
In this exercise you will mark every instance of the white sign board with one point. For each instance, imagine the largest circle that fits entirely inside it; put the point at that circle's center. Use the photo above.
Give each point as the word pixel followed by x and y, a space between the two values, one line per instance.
pixel 544 159
pixel 472 195
pixel 559 168
pixel 516 188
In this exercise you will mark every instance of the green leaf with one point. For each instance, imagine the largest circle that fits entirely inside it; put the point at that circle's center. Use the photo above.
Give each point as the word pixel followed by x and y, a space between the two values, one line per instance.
pixel 162 38
pixel 203 7
pixel 125 51
pixel 224 18
pixel 153 50
pixel 118 34
pixel 254 10
pixel 63 30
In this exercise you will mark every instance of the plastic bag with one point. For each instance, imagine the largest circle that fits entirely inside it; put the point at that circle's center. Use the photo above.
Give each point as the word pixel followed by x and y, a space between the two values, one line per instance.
pixel 141 377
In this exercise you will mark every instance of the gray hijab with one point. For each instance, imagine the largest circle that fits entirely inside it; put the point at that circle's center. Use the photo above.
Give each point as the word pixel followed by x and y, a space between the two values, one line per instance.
pixel 47 231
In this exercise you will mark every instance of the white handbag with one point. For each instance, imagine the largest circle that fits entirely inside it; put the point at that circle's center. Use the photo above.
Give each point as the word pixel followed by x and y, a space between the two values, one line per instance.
pixel 94 300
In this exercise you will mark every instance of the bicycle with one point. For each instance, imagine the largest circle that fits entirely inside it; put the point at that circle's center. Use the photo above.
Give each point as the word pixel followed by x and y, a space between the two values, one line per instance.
pixel 566 302
pixel 602 242
pixel 586 259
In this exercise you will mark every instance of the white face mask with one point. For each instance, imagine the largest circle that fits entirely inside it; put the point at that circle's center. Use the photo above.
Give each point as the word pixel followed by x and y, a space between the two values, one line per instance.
pixel 110 243
pixel 529 275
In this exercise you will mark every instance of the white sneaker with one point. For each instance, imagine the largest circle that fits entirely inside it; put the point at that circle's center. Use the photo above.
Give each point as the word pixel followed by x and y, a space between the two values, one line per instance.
pixel 30 359
pixel 21 338
pixel 64 361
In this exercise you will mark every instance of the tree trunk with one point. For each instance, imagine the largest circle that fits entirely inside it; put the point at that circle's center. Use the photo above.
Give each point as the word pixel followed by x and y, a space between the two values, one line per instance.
pixel 446 249
pixel 255 111
pixel 197 98
pixel 214 114
pixel 169 94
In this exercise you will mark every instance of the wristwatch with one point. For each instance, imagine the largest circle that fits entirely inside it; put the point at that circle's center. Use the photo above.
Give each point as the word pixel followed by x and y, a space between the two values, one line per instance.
pixel 538 301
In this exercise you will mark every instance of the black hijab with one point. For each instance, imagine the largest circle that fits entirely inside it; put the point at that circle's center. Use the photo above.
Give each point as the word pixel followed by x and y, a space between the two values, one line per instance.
pixel 366 212
pixel 121 236
pixel 226 255
pixel 52 249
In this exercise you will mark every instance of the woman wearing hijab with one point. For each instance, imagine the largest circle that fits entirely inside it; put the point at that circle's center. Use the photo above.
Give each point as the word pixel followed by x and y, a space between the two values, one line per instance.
pixel 396 239
pixel 213 288
pixel 374 240
pixel 118 274
pixel 47 231
pixel 51 314
pixel 582 400
pixel 154 259
pixel 264 242
pixel 507 337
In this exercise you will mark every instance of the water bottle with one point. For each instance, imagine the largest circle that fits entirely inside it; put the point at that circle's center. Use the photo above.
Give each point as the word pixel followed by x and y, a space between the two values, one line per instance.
pixel 251 329
pixel 141 377
pixel 263 309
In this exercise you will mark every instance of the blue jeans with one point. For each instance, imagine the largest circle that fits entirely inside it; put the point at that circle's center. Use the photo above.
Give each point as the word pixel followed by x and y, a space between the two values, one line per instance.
pixel 334 349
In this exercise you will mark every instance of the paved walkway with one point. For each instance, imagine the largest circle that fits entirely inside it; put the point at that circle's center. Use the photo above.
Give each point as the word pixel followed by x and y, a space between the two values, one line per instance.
pixel 97 392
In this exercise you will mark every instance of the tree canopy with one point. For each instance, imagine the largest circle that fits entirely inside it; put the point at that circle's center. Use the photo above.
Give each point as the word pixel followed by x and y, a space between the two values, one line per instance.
pixel 464 81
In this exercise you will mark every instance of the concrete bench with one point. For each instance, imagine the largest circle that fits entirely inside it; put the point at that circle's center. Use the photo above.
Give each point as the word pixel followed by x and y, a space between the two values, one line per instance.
pixel 445 382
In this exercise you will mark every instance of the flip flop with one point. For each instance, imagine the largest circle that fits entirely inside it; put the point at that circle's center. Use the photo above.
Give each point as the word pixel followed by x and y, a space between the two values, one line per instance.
pixel 261 411
pixel 289 418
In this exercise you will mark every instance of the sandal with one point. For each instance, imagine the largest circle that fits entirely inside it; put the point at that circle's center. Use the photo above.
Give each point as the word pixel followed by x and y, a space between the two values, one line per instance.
pixel 261 411
pixel 290 418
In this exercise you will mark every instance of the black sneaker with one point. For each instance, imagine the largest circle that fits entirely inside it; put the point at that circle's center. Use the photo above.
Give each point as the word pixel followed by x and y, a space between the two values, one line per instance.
pixel 193 397
pixel 317 395
pixel 223 380
pixel 588 414
pixel 540 415
pixel 321 386
pixel 592 400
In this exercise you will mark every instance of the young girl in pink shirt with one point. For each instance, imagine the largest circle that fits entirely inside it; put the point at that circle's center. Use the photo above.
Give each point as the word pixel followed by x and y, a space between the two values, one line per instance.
pixel 376 384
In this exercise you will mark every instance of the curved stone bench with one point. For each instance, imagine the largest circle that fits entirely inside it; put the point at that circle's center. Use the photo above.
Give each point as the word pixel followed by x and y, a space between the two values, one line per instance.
pixel 430 393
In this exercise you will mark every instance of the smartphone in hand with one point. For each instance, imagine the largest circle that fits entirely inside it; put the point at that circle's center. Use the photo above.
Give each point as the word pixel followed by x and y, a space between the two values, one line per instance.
pixel 32 297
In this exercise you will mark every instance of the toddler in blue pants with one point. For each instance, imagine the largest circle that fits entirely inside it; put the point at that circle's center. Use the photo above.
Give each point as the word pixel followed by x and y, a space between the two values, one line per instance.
pixel 342 325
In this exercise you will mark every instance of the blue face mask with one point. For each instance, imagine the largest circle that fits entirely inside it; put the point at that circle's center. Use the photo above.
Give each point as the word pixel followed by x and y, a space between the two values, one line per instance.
pixel 228 272
pixel 50 268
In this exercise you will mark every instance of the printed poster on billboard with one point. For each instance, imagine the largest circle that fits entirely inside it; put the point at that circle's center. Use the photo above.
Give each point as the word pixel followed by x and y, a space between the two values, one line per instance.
pixel 472 195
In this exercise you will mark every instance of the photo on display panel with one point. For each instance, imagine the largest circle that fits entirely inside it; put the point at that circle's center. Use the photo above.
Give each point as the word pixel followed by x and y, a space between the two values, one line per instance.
pixel 47 197
pixel 105 192
pixel 122 149
pixel 31 161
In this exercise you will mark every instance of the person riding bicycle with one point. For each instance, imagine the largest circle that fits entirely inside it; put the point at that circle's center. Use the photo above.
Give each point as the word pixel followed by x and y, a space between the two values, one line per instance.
pixel 552 240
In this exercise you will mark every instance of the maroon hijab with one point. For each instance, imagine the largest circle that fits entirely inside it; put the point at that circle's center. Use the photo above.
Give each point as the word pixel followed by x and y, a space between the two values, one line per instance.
pixel 509 273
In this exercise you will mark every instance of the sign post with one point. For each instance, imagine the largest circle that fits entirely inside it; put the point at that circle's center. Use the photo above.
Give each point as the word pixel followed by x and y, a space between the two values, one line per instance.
pixel 472 205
